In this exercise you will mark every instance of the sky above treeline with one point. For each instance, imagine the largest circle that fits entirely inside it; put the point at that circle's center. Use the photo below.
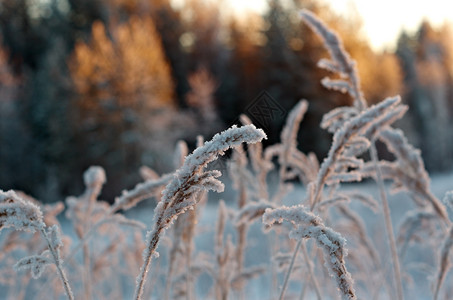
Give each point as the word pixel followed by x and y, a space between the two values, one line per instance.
pixel 383 20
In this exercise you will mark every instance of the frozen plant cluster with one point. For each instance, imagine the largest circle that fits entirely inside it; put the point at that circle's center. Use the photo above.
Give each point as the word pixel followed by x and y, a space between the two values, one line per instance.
pixel 322 235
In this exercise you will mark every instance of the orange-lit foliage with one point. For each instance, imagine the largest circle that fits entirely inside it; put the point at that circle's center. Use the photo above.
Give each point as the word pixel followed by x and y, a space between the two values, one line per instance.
pixel 123 81
pixel 7 80
pixel 381 75
pixel 201 96
pixel 129 69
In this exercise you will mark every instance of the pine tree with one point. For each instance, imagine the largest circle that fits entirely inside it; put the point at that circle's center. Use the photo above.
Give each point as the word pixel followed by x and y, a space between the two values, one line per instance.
pixel 122 79
pixel 428 80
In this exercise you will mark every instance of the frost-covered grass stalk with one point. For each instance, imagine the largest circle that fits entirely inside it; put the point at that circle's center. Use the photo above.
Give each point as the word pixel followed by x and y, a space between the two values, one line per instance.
pixel 307 225
pixel 342 64
pixel 348 142
pixel 287 152
pixel 408 170
pixel 223 254
pixel 388 224
pixel 313 279
pixel 126 201
pixel 239 174
pixel 444 263
pixel 182 238
pixel 181 193
pixel 341 163
pixel 340 61
pixel 24 215
pixel 94 178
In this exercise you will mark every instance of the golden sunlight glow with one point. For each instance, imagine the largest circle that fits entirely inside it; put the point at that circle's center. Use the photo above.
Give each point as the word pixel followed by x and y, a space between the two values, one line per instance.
pixel 383 20
pixel 240 6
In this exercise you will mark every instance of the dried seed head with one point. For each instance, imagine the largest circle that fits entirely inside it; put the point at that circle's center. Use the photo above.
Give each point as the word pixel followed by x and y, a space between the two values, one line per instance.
pixel 308 225
pixel 94 176
pixel 18 213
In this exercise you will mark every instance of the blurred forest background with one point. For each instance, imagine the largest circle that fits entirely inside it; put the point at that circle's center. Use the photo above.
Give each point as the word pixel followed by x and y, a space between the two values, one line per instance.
pixel 117 82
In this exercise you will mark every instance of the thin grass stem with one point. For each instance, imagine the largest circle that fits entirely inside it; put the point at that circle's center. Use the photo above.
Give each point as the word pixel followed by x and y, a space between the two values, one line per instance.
pixel 388 223
pixel 288 273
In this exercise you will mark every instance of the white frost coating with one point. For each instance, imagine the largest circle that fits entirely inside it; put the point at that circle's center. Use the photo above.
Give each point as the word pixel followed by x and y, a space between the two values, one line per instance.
pixel 334 119
pixel 328 65
pixel 182 191
pixel 444 263
pixel 350 133
pixel 180 154
pixel 336 85
pixel 386 120
pixel 141 191
pixel 448 199
pixel 94 176
pixel 345 162
pixel 340 59
pixel 209 152
pixel 413 222
pixel 308 225
pixel 211 183
pixel 340 62
pixel 55 237
pixel 293 163
pixel 408 170
pixel 289 132
pixel 18 213
pixel 289 135
pixel 36 263
pixel 252 211
pixel 344 177
pixel 24 215
pixel 357 146
pixel 406 155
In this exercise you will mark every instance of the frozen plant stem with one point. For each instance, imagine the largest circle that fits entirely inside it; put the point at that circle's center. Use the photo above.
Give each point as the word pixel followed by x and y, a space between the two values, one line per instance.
pixel 86 253
pixel 288 273
pixel 443 263
pixel 189 275
pixel 342 64
pixel 388 222
pixel 310 271
pixel 24 215
pixel 342 137
pixel 125 202
pixel 57 259
pixel 307 225
pixel 87 271
pixel 188 182
pixel 93 178
pixel 147 262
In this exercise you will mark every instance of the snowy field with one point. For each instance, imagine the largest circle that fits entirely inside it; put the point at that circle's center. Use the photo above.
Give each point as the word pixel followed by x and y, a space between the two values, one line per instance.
pixel 419 265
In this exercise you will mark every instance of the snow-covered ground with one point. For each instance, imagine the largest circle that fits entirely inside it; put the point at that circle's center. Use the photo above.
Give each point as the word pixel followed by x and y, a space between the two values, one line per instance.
pixel 419 264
